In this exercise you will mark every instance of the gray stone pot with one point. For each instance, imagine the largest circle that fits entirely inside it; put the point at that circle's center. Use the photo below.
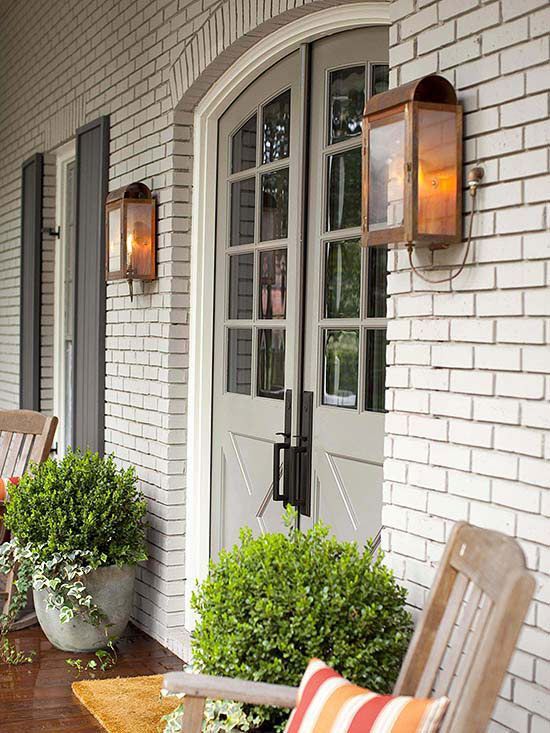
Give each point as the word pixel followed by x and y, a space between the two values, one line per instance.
pixel 112 589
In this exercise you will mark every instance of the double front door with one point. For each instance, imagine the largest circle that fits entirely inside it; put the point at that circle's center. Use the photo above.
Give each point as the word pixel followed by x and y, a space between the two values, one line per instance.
pixel 300 307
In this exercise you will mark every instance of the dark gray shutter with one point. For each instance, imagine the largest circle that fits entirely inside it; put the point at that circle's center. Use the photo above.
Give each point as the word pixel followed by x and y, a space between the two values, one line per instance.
pixel 30 282
pixel 92 173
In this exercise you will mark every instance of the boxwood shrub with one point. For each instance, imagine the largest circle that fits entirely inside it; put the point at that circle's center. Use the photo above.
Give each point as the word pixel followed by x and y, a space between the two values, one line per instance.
pixel 271 603
pixel 82 502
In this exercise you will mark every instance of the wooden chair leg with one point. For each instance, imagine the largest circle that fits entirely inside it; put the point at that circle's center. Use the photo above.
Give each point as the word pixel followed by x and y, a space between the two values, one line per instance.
pixel 193 715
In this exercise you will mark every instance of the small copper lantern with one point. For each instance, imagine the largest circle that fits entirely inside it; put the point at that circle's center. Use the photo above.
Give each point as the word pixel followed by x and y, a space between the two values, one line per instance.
pixel 412 165
pixel 130 223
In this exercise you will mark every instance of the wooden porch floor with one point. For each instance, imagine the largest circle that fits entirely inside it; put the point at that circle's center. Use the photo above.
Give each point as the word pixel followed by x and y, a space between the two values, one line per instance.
pixel 37 697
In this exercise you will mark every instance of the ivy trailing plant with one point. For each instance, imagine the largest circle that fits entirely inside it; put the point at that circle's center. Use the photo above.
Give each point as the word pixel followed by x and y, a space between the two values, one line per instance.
pixel 271 603
pixel 67 518
pixel 103 660
pixel 9 654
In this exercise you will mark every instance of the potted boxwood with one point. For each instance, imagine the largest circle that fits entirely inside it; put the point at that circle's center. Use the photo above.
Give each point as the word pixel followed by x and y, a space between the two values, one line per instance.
pixel 271 603
pixel 78 532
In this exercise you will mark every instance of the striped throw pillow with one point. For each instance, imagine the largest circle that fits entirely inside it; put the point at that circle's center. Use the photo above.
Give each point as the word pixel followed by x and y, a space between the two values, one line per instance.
pixel 328 703
pixel 4 482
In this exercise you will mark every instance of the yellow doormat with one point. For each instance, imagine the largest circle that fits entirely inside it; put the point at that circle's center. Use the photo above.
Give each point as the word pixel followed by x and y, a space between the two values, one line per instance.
pixel 126 704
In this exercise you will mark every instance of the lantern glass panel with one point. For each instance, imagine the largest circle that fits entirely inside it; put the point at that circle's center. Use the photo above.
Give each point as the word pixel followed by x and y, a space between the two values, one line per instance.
pixel 386 174
pixel 139 239
pixel 115 250
pixel 437 171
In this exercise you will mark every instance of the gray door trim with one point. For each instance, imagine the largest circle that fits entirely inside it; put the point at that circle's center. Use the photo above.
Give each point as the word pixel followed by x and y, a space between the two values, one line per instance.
pixel 92 140
pixel 30 282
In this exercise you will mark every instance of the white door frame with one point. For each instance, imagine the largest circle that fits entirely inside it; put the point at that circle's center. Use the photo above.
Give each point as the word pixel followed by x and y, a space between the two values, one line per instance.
pixel 207 113
pixel 64 155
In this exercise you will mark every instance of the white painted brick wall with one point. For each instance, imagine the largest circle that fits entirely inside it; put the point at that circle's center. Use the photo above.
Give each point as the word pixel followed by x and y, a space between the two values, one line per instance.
pixel 479 349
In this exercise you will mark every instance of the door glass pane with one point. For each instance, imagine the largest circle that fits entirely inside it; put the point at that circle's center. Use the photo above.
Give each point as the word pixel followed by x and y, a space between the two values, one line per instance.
pixel 273 284
pixel 243 147
pixel 342 278
pixel 375 382
pixel 242 211
pixel 386 175
pixel 346 102
pixel 239 360
pixel 274 205
pixel 377 282
pixel 380 79
pixel 344 194
pixel 340 367
pixel 271 363
pixel 276 128
pixel 241 285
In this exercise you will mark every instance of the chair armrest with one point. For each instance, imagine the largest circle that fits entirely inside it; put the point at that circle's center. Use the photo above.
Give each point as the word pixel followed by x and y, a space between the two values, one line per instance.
pixel 228 688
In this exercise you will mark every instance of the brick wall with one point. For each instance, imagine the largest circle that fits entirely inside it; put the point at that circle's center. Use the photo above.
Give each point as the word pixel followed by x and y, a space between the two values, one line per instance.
pixel 469 386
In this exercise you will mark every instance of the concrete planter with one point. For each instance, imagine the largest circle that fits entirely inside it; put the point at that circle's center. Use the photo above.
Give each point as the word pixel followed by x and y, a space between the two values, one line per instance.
pixel 112 589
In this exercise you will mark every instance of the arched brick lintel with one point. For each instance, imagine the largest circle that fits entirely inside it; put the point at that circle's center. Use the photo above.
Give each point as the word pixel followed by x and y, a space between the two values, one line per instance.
pixel 230 30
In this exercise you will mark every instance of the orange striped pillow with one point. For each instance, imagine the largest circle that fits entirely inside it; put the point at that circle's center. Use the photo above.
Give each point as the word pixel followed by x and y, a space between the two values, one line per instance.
pixel 4 486
pixel 328 703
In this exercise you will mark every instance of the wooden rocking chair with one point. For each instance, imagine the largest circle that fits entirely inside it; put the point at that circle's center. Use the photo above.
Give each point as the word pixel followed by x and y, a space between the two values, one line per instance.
pixel 461 647
pixel 25 437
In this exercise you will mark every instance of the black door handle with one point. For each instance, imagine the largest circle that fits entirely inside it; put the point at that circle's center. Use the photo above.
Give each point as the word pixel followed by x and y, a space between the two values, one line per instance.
pixel 283 446
pixel 277 494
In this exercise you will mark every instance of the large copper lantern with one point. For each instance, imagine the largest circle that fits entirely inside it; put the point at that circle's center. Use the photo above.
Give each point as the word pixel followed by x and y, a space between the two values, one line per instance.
pixel 130 236
pixel 412 163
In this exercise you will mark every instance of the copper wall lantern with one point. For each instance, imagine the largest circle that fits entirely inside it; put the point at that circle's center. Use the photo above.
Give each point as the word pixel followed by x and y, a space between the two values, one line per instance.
pixel 412 165
pixel 130 223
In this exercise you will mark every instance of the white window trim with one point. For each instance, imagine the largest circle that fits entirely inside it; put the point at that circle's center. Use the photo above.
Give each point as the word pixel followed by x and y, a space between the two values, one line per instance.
pixel 207 113
pixel 64 155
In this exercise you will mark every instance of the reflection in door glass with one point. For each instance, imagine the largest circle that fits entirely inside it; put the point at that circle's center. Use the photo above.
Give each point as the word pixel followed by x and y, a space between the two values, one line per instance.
pixel 241 279
pixel 276 128
pixel 243 147
pixel 340 368
pixel 242 211
pixel 342 279
pixel 274 205
pixel 239 360
pixel 344 194
pixel 346 102
pixel 377 282
pixel 273 284
pixel 375 382
pixel 380 79
pixel 271 363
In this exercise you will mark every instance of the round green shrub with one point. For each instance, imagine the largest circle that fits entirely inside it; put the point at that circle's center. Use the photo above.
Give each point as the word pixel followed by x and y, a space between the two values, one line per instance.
pixel 273 602
pixel 82 502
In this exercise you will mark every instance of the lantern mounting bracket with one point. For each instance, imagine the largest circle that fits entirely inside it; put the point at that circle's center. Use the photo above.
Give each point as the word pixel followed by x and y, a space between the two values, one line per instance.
pixel 51 232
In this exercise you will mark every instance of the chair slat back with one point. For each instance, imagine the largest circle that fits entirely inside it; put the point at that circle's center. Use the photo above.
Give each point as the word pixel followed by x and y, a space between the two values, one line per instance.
pixel 25 436
pixel 469 628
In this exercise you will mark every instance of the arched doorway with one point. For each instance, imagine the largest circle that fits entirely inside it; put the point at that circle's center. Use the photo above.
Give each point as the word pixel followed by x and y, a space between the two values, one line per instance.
pixel 216 102
pixel 299 332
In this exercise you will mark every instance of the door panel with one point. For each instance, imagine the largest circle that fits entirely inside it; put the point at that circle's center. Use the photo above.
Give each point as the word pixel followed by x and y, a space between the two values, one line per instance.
pixel 278 328
pixel 345 305
pixel 257 291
